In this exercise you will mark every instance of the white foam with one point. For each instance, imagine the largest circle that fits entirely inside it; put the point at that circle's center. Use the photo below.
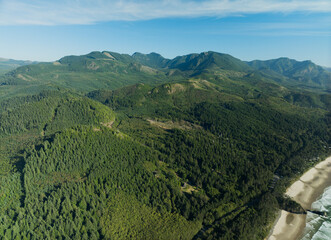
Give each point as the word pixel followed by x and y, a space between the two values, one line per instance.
pixel 317 227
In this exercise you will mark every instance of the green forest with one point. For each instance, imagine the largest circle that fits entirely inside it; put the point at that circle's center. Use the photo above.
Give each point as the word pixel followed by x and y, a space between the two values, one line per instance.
pixel 113 146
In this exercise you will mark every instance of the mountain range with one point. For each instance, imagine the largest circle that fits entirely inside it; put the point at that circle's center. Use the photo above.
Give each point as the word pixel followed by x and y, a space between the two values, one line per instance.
pixel 117 146
pixel 108 69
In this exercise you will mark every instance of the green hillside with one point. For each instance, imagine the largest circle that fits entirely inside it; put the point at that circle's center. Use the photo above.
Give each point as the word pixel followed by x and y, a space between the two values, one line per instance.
pixel 153 60
pixel 193 63
pixel 85 73
pixel 208 61
pixel 113 146
pixel 306 73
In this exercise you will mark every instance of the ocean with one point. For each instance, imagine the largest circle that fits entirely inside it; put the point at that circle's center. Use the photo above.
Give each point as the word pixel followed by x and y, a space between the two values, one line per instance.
pixel 319 227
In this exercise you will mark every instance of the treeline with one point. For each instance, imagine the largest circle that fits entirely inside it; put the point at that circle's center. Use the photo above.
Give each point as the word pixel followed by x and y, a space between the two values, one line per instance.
pixel 49 112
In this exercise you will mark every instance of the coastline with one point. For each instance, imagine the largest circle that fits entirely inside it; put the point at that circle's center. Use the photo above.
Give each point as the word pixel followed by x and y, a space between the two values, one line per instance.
pixel 305 191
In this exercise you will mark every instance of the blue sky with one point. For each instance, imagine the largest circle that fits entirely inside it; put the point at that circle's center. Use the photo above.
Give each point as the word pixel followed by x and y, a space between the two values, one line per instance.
pixel 247 29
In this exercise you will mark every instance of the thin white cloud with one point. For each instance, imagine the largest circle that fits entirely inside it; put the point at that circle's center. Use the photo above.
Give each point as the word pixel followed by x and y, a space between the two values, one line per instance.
pixel 63 12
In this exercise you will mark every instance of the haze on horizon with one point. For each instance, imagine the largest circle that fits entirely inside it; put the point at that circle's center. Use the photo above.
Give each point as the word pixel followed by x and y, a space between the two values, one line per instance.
pixel 46 31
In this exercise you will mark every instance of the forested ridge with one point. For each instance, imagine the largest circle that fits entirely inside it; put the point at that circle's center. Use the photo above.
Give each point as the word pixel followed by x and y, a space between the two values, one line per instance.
pixel 191 155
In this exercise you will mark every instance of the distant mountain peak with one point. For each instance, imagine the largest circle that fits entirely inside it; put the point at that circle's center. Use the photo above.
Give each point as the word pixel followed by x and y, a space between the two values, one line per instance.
pixel 152 59
pixel 302 72
pixel 208 61
pixel 7 65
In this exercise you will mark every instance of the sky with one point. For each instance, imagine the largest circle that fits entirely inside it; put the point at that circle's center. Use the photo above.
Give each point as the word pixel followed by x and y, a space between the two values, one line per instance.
pixel 46 30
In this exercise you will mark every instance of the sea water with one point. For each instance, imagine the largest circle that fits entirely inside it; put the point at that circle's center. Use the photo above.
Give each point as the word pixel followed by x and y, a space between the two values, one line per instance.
pixel 319 227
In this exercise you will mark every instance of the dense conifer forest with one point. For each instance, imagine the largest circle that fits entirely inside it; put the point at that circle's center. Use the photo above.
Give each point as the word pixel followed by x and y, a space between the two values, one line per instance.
pixel 112 146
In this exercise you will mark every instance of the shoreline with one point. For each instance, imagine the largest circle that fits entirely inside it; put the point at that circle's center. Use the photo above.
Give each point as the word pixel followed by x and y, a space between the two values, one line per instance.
pixel 305 191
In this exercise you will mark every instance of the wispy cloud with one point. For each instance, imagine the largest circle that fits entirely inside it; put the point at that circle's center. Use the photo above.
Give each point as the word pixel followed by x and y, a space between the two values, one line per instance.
pixel 63 12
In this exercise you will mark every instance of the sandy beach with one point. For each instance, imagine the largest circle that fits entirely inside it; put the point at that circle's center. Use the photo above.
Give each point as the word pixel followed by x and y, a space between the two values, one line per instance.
pixel 305 191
